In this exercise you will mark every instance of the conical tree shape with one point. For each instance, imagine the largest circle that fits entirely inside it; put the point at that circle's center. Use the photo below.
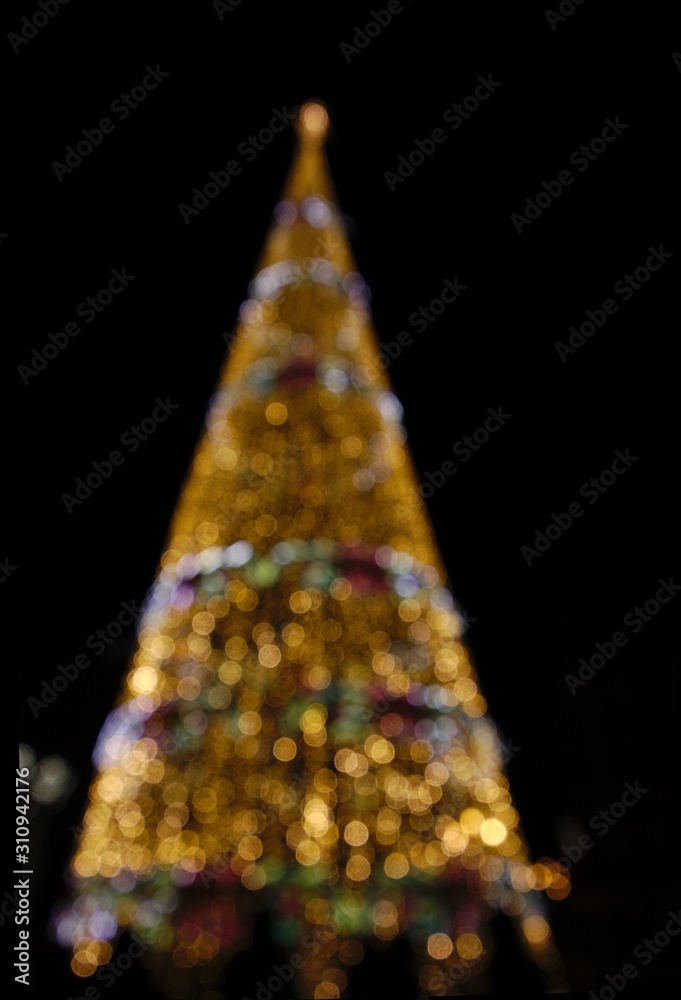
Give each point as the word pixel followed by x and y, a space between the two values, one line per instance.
pixel 301 731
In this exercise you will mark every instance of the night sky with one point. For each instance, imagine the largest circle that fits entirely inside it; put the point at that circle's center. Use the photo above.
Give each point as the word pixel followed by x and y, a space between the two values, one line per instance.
pixel 597 78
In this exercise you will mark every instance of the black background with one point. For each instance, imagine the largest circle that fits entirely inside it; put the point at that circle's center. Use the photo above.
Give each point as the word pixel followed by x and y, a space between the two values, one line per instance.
pixel 164 337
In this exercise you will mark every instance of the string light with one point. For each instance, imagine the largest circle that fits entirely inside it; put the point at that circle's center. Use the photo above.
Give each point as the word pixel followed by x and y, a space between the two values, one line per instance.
pixel 301 730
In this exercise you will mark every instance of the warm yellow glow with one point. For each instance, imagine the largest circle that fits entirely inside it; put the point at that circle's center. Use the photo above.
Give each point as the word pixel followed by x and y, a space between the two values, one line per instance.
pixel 492 832
pixel 301 714
pixel 469 946
pixel 536 929
pixel 313 123
pixel 326 991
pixel 356 833
pixel 358 868
pixel 396 865
pixel 385 914
pixel 276 413
pixel 284 749
pixel 144 679
pixel 471 820
pixel 440 946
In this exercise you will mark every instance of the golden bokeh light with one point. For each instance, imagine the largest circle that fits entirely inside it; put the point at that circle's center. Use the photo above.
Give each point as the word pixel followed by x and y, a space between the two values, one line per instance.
pixel 396 865
pixel 301 729
pixel 469 946
pixel 440 946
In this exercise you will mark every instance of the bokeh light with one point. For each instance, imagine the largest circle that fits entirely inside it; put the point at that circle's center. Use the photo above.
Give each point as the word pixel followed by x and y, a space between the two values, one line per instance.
pixel 301 730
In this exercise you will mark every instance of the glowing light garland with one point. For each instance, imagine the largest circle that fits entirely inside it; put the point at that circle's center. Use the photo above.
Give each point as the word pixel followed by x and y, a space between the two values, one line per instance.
pixel 301 730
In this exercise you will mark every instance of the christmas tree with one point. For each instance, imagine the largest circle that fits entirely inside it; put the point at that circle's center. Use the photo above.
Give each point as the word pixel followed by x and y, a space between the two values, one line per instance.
pixel 301 731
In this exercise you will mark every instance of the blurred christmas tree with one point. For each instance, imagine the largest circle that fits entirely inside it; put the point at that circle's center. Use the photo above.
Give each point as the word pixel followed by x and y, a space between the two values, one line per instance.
pixel 301 731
